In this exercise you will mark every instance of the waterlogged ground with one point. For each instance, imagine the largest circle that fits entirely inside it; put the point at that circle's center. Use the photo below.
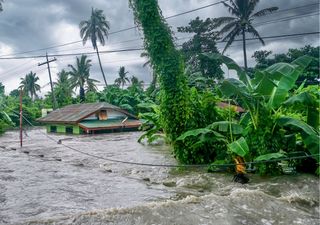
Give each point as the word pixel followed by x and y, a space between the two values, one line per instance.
pixel 47 183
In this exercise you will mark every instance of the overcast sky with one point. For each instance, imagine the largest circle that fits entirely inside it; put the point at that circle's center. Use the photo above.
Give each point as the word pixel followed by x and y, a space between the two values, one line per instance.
pixel 27 25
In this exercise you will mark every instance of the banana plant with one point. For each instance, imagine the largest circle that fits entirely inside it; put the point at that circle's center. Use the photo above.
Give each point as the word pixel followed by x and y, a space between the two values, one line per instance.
pixel 264 97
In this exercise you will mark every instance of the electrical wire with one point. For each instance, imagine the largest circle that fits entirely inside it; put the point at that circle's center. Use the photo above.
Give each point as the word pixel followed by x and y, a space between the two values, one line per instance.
pixel 169 165
pixel 141 49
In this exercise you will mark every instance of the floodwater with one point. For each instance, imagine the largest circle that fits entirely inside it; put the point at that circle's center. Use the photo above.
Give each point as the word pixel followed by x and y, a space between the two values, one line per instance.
pixel 46 183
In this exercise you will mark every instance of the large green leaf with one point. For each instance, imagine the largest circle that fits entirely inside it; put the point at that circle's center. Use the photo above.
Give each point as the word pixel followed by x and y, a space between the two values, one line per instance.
pixel 194 132
pixel 284 76
pixel 309 135
pixel 224 126
pixel 239 147
pixel 303 98
pixel 263 83
pixel 269 156
pixel 232 65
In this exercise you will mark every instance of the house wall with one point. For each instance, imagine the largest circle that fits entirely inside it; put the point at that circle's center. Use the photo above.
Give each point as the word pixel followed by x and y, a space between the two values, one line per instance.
pixel 62 128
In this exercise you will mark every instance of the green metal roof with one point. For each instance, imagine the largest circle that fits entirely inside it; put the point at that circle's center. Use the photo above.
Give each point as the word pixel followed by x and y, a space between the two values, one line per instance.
pixel 77 112
pixel 110 123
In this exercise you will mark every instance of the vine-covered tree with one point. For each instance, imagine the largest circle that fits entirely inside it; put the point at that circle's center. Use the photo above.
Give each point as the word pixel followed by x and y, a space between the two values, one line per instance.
pixel 241 23
pixel 122 79
pixel 95 29
pixel 175 107
pixel 203 41
pixel 80 75
pixel 29 85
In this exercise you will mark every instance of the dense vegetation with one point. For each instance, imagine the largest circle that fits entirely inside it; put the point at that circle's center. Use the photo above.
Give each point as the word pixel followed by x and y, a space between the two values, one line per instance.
pixel 190 105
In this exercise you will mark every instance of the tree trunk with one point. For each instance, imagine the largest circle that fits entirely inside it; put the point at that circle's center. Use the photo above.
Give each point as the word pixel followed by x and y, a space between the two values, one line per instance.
pixel 104 77
pixel 244 49
pixel 82 95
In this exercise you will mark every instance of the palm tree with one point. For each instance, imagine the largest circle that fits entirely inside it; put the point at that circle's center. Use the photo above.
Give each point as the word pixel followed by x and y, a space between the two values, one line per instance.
pixel 122 79
pixel 135 82
pixel 29 85
pixel 242 10
pixel 95 29
pixel 79 75
pixel 62 88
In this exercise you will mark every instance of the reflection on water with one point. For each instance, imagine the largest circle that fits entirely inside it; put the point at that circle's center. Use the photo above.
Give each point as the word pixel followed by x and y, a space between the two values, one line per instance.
pixel 45 182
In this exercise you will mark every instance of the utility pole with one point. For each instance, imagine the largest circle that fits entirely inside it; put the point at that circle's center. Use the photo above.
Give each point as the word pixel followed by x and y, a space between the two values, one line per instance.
pixel 54 102
pixel 21 117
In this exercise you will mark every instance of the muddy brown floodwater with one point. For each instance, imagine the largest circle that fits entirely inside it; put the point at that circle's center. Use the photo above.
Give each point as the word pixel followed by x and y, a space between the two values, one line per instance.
pixel 47 183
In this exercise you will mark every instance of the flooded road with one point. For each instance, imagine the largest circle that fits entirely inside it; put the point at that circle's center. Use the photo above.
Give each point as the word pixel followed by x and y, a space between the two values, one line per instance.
pixel 47 183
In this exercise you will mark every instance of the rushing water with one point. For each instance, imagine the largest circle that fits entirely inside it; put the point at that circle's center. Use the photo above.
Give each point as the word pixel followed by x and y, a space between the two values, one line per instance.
pixel 47 183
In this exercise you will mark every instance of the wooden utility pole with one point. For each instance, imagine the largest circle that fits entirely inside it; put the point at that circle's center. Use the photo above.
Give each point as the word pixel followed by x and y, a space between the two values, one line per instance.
pixel 20 117
pixel 54 102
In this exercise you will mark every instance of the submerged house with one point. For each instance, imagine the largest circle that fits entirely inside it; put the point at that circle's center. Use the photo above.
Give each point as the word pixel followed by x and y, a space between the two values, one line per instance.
pixel 90 118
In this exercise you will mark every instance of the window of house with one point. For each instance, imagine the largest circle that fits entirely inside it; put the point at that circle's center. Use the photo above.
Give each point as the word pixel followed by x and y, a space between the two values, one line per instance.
pixel 53 129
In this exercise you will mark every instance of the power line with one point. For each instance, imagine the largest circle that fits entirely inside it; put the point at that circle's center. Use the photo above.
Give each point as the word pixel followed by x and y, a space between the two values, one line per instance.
pixel 118 31
pixel 141 49
pixel 176 15
pixel 171 165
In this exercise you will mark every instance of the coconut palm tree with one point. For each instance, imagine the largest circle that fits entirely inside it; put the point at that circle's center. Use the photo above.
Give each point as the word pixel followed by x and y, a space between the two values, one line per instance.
pixel 79 75
pixel 135 82
pixel 95 29
pixel 29 85
pixel 62 89
pixel 122 79
pixel 241 23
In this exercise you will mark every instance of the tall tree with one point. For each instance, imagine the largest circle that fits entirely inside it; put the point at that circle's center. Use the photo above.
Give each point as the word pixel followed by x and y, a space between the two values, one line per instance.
pixel 95 29
pixel 122 79
pixel 29 85
pixel 203 41
pixel 62 88
pixel 80 75
pixel 241 23
pixel 135 82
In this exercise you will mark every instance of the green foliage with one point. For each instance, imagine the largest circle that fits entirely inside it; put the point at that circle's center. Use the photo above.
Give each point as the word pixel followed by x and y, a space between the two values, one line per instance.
pixel 239 147
pixel 150 123
pixel 264 97
pixel 204 40
pixel 175 110
pixel 80 76
pixel 264 60
pixel 122 79
pixel 29 85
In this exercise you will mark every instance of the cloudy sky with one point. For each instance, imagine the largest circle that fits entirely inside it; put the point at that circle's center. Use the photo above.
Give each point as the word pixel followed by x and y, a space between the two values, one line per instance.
pixel 37 26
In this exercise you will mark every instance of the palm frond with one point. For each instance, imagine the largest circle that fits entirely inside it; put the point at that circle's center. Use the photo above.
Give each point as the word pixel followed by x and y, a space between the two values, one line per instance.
pixel 217 22
pixel 255 33
pixel 264 12
pixel 230 37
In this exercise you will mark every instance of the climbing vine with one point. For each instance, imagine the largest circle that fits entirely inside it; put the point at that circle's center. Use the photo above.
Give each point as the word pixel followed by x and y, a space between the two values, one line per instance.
pixel 175 109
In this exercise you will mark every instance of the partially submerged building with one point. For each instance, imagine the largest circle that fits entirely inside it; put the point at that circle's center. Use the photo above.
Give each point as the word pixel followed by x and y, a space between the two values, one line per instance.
pixel 90 118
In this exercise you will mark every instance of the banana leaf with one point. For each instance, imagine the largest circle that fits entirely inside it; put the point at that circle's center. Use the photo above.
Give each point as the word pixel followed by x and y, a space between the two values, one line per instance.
pixel 239 147
pixel 224 126
pixel 285 75
pixel 232 65
pixel 269 156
